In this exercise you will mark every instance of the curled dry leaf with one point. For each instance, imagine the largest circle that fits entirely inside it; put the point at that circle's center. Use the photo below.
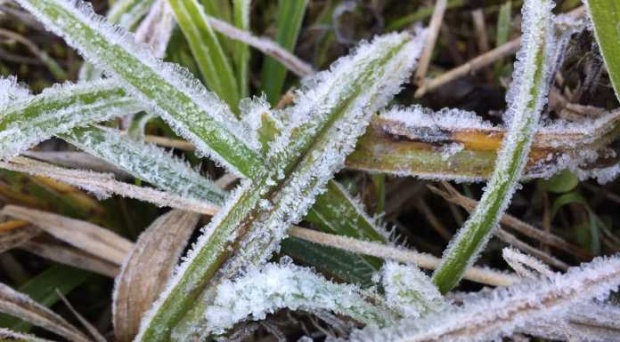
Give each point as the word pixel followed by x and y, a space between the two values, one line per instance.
pixel 23 307
pixel 147 267
pixel 84 235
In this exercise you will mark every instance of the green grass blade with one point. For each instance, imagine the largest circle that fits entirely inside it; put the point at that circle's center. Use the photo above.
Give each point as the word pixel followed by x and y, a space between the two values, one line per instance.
pixel 605 15
pixel 145 162
pixel 173 93
pixel 30 120
pixel 288 25
pixel 336 263
pixel 259 213
pixel 213 63
pixel 241 11
pixel 526 99
pixel 42 289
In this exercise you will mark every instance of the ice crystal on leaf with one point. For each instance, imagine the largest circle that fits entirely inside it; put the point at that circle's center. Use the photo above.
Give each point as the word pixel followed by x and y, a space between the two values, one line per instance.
pixel 261 292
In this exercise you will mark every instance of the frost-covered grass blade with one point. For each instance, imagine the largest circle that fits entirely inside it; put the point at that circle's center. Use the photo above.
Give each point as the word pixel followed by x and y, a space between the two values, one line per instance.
pixel 273 287
pixel 171 92
pixel 490 316
pixel 146 162
pixel 330 115
pixel 526 99
pixel 27 120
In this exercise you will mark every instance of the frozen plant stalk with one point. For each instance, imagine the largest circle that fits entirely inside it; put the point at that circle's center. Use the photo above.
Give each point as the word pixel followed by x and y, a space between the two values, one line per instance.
pixel 526 99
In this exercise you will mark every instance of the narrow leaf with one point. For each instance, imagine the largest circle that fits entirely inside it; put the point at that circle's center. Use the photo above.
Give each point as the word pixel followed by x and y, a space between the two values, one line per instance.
pixel 605 15
pixel 8 335
pixel 172 92
pixel 44 289
pixel 145 162
pixel 29 120
pixel 70 256
pixel 213 63
pixel 526 99
pixel 490 316
pixel 241 17
pixel 288 24
pixel 13 233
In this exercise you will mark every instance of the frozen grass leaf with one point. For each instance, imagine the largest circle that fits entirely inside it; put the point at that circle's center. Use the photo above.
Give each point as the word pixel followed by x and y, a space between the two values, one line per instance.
pixel 525 265
pixel 526 98
pixel 104 185
pixel 257 215
pixel 11 91
pixel 146 269
pixel 146 162
pixel 170 91
pixel 489 316
pixel 27 120
pixel 264 291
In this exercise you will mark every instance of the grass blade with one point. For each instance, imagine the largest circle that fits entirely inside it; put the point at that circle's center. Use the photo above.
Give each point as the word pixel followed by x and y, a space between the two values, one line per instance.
pixel 605 15
pixel 145 162
pixel 241 17
pixel 490 316
pixel 84 235
pixel 290 17
pixel 526 99
pixel 30 120
pixel 255 294
pixel 258 214
pixel 173 93
pixel 213 63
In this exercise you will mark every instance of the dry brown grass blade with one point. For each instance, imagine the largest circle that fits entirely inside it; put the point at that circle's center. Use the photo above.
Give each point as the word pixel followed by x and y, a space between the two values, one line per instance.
pixel 14 233
pixel 105 184
pixel 453 196
pixel 77 160
pixel 84 235
pixel 71 256
pixel 476 274
pixel 147 268
pixel 19 305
